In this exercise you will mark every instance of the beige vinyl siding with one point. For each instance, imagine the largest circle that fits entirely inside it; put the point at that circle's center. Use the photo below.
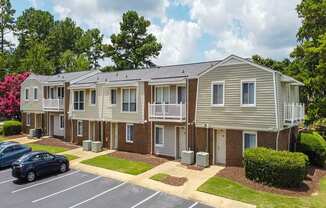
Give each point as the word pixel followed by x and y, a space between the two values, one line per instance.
pixel 232 115
pixel 31 105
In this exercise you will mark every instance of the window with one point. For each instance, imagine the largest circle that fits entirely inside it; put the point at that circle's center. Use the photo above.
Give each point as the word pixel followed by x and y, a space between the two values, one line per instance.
pixel 28 119
pixel 26 93
pixel 61 92
pixel 181 95
pixel 162 95
pixel 249 140
pixel 79 128
pixel 78 100
pixel 248 93
pixel 129 133
pixel 159 136
pixel 218 93
pixel 93 97
pixel 113 96
pixel 51 93
pixel 129 100
pixel 47 156
pixel 61 122
pixel 35 93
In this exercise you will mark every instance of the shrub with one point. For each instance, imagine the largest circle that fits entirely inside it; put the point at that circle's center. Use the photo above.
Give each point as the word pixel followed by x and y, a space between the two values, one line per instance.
pixel 12 127
pixel 276 168
pixel 313 145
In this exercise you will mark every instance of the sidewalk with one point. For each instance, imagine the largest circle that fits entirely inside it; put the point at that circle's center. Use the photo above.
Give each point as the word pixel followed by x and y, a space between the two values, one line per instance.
pixel 23 140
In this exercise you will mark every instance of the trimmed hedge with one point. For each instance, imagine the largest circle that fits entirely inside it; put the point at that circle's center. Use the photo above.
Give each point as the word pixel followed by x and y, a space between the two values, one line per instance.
pixel 12 127
pixel 275 168
pixel 313 145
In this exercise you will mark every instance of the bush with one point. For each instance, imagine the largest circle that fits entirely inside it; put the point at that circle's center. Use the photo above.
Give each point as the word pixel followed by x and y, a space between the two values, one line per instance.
pixel 275 168
pixel 313 145
pixel 12 127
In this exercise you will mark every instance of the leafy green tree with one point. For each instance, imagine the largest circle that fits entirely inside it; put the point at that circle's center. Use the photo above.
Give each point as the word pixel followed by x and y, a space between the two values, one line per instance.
pixel 91 43
pixel 273 64
pixel 7 24
pixel 37 60
pixel 133 47
pixel 70 62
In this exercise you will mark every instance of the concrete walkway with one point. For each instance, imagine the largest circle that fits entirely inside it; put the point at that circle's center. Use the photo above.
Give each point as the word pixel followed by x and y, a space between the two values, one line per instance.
pixel 23 140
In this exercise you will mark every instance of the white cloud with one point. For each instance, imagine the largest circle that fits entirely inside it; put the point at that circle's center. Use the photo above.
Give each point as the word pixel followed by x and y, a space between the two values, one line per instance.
pixel 179 41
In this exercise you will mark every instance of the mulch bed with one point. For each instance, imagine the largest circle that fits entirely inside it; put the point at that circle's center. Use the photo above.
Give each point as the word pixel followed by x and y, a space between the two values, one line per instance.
pixel 146 158
pixel 56 142
pixel 310 184
pixel 174 181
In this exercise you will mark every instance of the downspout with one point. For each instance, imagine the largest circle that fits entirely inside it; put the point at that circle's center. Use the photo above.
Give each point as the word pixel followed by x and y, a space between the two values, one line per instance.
pixel 151 123
pixel 101 116
pixel 276 111
pixel 207 138
pixel 187 136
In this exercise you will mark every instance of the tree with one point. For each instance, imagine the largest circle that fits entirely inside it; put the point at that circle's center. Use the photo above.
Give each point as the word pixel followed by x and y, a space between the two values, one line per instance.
pixel 280 66
pixel 91 44
pixel 7 24
pixel 10 95
pixel 71 62
pixel 133 47
pixel 37 60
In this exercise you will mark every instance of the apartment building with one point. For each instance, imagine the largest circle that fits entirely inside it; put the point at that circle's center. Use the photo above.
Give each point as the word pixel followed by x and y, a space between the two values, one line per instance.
pixel 219 107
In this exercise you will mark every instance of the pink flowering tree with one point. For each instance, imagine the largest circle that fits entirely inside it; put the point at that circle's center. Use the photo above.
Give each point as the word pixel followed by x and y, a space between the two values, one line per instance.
pixel 10 94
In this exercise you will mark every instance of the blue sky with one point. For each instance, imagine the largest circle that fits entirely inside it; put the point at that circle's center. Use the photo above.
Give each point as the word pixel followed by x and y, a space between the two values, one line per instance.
pixel 191 30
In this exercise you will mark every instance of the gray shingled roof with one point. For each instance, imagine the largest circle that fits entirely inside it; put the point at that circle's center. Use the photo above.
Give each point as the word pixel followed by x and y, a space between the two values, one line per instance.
pixel 162 72
pixel 66 77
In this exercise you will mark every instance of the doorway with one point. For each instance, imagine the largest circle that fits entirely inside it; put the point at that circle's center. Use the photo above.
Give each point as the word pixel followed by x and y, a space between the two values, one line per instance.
pixel 182 141
pixel 220 146
pixel 114 136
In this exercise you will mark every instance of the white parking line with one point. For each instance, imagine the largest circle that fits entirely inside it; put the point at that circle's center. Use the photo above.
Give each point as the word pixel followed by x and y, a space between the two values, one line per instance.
pixel 10 180
pixel 148 198
pixel 98 195
pixel 48 181
pixel 193 205
pixel 67 189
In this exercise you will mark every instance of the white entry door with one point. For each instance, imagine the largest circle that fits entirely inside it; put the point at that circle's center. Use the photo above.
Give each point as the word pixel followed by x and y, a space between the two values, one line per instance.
pixel 220 146
pixel 182 140
pixel 114 135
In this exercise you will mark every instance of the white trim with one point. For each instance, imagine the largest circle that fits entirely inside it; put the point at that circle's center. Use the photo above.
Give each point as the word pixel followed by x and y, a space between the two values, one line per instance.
pixel 275 101
pixel 90 97
pixel 243 139
pixel 73 100
pixel 36 93
pixel 79 134
pixel 176 92
pixel 162 86
pixel 241 92
pixel 121 98
pixel 132 139
pixel 160 127
pixel 61 116
pixel 26 88
pixel 110 97
pixel 212 92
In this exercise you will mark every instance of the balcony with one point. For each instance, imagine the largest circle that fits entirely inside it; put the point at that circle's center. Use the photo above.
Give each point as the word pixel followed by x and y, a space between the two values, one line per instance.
pixel 167 112
pixel 293 113
pixel 53 104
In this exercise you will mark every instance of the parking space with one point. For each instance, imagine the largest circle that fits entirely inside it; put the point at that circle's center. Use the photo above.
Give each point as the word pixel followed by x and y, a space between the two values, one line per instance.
pixel 80 189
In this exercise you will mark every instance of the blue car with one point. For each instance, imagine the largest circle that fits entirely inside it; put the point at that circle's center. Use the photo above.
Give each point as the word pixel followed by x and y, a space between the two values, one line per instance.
pixel 10 152
pixel 37 164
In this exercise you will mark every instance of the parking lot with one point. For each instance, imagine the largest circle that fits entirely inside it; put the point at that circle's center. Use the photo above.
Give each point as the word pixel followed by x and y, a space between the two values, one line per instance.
pixel 79 189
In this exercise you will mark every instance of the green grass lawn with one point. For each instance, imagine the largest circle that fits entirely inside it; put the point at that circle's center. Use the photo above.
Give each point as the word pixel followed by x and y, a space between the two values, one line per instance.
pixel 70 157
pixel 50 149
pixel 159 177
pixel 117 164
pixel 223 187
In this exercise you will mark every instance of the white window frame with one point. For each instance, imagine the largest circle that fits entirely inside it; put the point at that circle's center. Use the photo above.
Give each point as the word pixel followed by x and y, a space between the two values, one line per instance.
pixel 129 88
pixel 35 88
pixel 28 119
pixel 177 93
pixel 212 92
pixel 243 139
pixel 51 93
pixel 113 104
pixel 161 127
pixel 61 118
pixel 60 92
pixel 26 95
pixel 80 134
pixel 169 93
pixel 241 92
pixel 90 97
pixel 73 100
pixel 129 140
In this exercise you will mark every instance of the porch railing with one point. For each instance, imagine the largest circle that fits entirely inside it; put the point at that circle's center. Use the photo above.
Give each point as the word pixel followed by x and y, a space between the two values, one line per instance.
pixel 164 112
pixel 293 113
pixel 53 104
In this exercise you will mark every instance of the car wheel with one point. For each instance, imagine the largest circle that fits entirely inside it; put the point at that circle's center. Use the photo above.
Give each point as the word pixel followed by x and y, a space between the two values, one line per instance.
pixel 63 167
pixel 30 176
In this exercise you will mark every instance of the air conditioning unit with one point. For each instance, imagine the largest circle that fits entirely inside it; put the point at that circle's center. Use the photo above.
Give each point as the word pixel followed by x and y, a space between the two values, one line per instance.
pixel 96 146
pixel 87 145
pixel 202 159
pixel 187 157
pixel 31 134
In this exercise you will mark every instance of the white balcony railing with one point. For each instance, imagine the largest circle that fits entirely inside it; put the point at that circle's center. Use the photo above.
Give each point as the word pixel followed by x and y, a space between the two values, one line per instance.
pixel 165 112
pixel 293 113
pixel 53 104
